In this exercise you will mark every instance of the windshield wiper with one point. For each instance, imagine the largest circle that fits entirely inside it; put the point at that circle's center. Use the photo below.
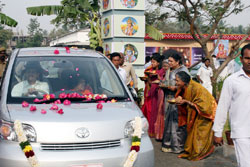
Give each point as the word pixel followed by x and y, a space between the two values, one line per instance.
pixel 61 99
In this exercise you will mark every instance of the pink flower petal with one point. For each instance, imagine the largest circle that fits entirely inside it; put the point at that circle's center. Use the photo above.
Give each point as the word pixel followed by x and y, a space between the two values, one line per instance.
pixel 52 96
pixel 102 101
pixel 62 95
pixel 60 111
pixel 37 100
pixel 99 106
pixel 97 97
pixel 43 111
pixel 67 49
pixel 57 102
pixel 109 101
pixel 32 108
pixel 25 104
pixel 46 97
pixel 56 51
pixel 54 107
pixel 66 102
pixel 77 69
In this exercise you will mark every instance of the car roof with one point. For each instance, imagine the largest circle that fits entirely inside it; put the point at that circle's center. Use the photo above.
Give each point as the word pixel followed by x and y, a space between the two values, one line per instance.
pixel 57 51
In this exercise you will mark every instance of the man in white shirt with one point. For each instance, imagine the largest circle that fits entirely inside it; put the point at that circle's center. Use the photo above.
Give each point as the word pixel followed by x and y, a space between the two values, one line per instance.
pixel 131 79
pixel 216 62
pixel 204 75
pixel 235 99
pixel 148 62
pixel 31 87
pixel 116 59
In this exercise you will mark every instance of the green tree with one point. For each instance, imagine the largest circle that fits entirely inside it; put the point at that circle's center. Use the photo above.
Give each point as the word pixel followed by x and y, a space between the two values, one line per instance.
pixel 74 14
pixel 34 27
pixel 5 35
pixel 211 13
pixel 35 35
pixel 6 20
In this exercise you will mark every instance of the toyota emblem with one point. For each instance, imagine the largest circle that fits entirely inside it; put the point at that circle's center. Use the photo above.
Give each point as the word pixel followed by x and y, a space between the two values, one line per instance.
pixel 82 132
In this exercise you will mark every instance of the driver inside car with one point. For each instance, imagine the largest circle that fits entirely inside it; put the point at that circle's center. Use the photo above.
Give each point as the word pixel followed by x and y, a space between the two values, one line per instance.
pixel 31 86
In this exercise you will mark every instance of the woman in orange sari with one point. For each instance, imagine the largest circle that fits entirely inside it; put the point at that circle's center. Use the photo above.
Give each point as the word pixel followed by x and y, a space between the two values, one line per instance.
pixel 200 107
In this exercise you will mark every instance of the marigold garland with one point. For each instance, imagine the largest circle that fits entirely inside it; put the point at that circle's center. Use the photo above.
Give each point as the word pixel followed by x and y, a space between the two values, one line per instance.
pixel 25 144
pixel 136 142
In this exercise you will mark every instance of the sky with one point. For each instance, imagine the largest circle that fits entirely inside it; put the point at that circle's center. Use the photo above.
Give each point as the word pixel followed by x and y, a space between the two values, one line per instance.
pixel 17 10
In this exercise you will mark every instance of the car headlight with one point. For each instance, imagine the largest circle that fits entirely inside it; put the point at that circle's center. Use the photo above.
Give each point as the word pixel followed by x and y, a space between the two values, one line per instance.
pixel 7 131
pixel 129 127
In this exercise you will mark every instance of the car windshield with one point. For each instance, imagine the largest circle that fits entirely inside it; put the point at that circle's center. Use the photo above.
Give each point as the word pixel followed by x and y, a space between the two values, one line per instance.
pixel 33 77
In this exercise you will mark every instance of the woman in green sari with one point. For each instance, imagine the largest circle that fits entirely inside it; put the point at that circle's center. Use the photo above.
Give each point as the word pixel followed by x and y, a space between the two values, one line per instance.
pixel 200 107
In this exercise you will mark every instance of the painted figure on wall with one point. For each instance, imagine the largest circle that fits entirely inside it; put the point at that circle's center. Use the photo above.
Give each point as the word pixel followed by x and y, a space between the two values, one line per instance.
pixel 129 26
pixel 222 53
pixel 105 4
pixel 221 50
pixel 129 3
pixel 130 53
pixel 106 27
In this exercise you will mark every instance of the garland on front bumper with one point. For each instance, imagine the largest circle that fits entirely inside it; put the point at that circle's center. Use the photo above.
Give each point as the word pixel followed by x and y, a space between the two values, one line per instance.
pixel 25 144
pixel 136 142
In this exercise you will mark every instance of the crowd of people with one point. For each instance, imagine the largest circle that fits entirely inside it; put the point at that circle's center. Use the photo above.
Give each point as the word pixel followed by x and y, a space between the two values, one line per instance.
pixel 179 110
pixel 183 114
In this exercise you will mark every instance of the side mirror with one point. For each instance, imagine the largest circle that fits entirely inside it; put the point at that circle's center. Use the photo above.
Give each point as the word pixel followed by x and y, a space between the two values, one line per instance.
pixel 133 92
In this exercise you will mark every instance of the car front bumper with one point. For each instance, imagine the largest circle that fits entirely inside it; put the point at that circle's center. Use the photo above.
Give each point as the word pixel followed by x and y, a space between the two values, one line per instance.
pixel 11 155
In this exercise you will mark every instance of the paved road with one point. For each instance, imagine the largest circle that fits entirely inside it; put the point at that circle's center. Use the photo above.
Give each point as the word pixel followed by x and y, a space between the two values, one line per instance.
pixel 170 160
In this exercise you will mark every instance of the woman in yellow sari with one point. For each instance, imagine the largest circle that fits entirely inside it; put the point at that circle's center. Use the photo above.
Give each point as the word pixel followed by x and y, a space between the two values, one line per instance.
pixel 200 107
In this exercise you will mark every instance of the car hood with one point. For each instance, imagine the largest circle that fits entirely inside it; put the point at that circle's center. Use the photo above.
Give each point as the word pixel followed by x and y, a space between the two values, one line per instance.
pixel 105 124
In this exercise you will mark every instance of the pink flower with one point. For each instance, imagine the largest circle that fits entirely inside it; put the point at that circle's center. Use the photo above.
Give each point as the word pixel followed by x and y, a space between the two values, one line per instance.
pixel 37 100
pixel 75 95
pixel 78 95
pixel 57 101
pixel 60 111
pixel 52 96
pixel 62 89
pixel 25 104
pixel 97 97
pixel 54 107
pixel 77 69
pixel 46 97
pixel 69 95
pixel 82 96
pixel 62 95
pixel 66 102
pixel 67 49
pixel 56 51
pixel 99 106
pixel 102 101
pixel 109 101
pixel 43 111
pixel 32 108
